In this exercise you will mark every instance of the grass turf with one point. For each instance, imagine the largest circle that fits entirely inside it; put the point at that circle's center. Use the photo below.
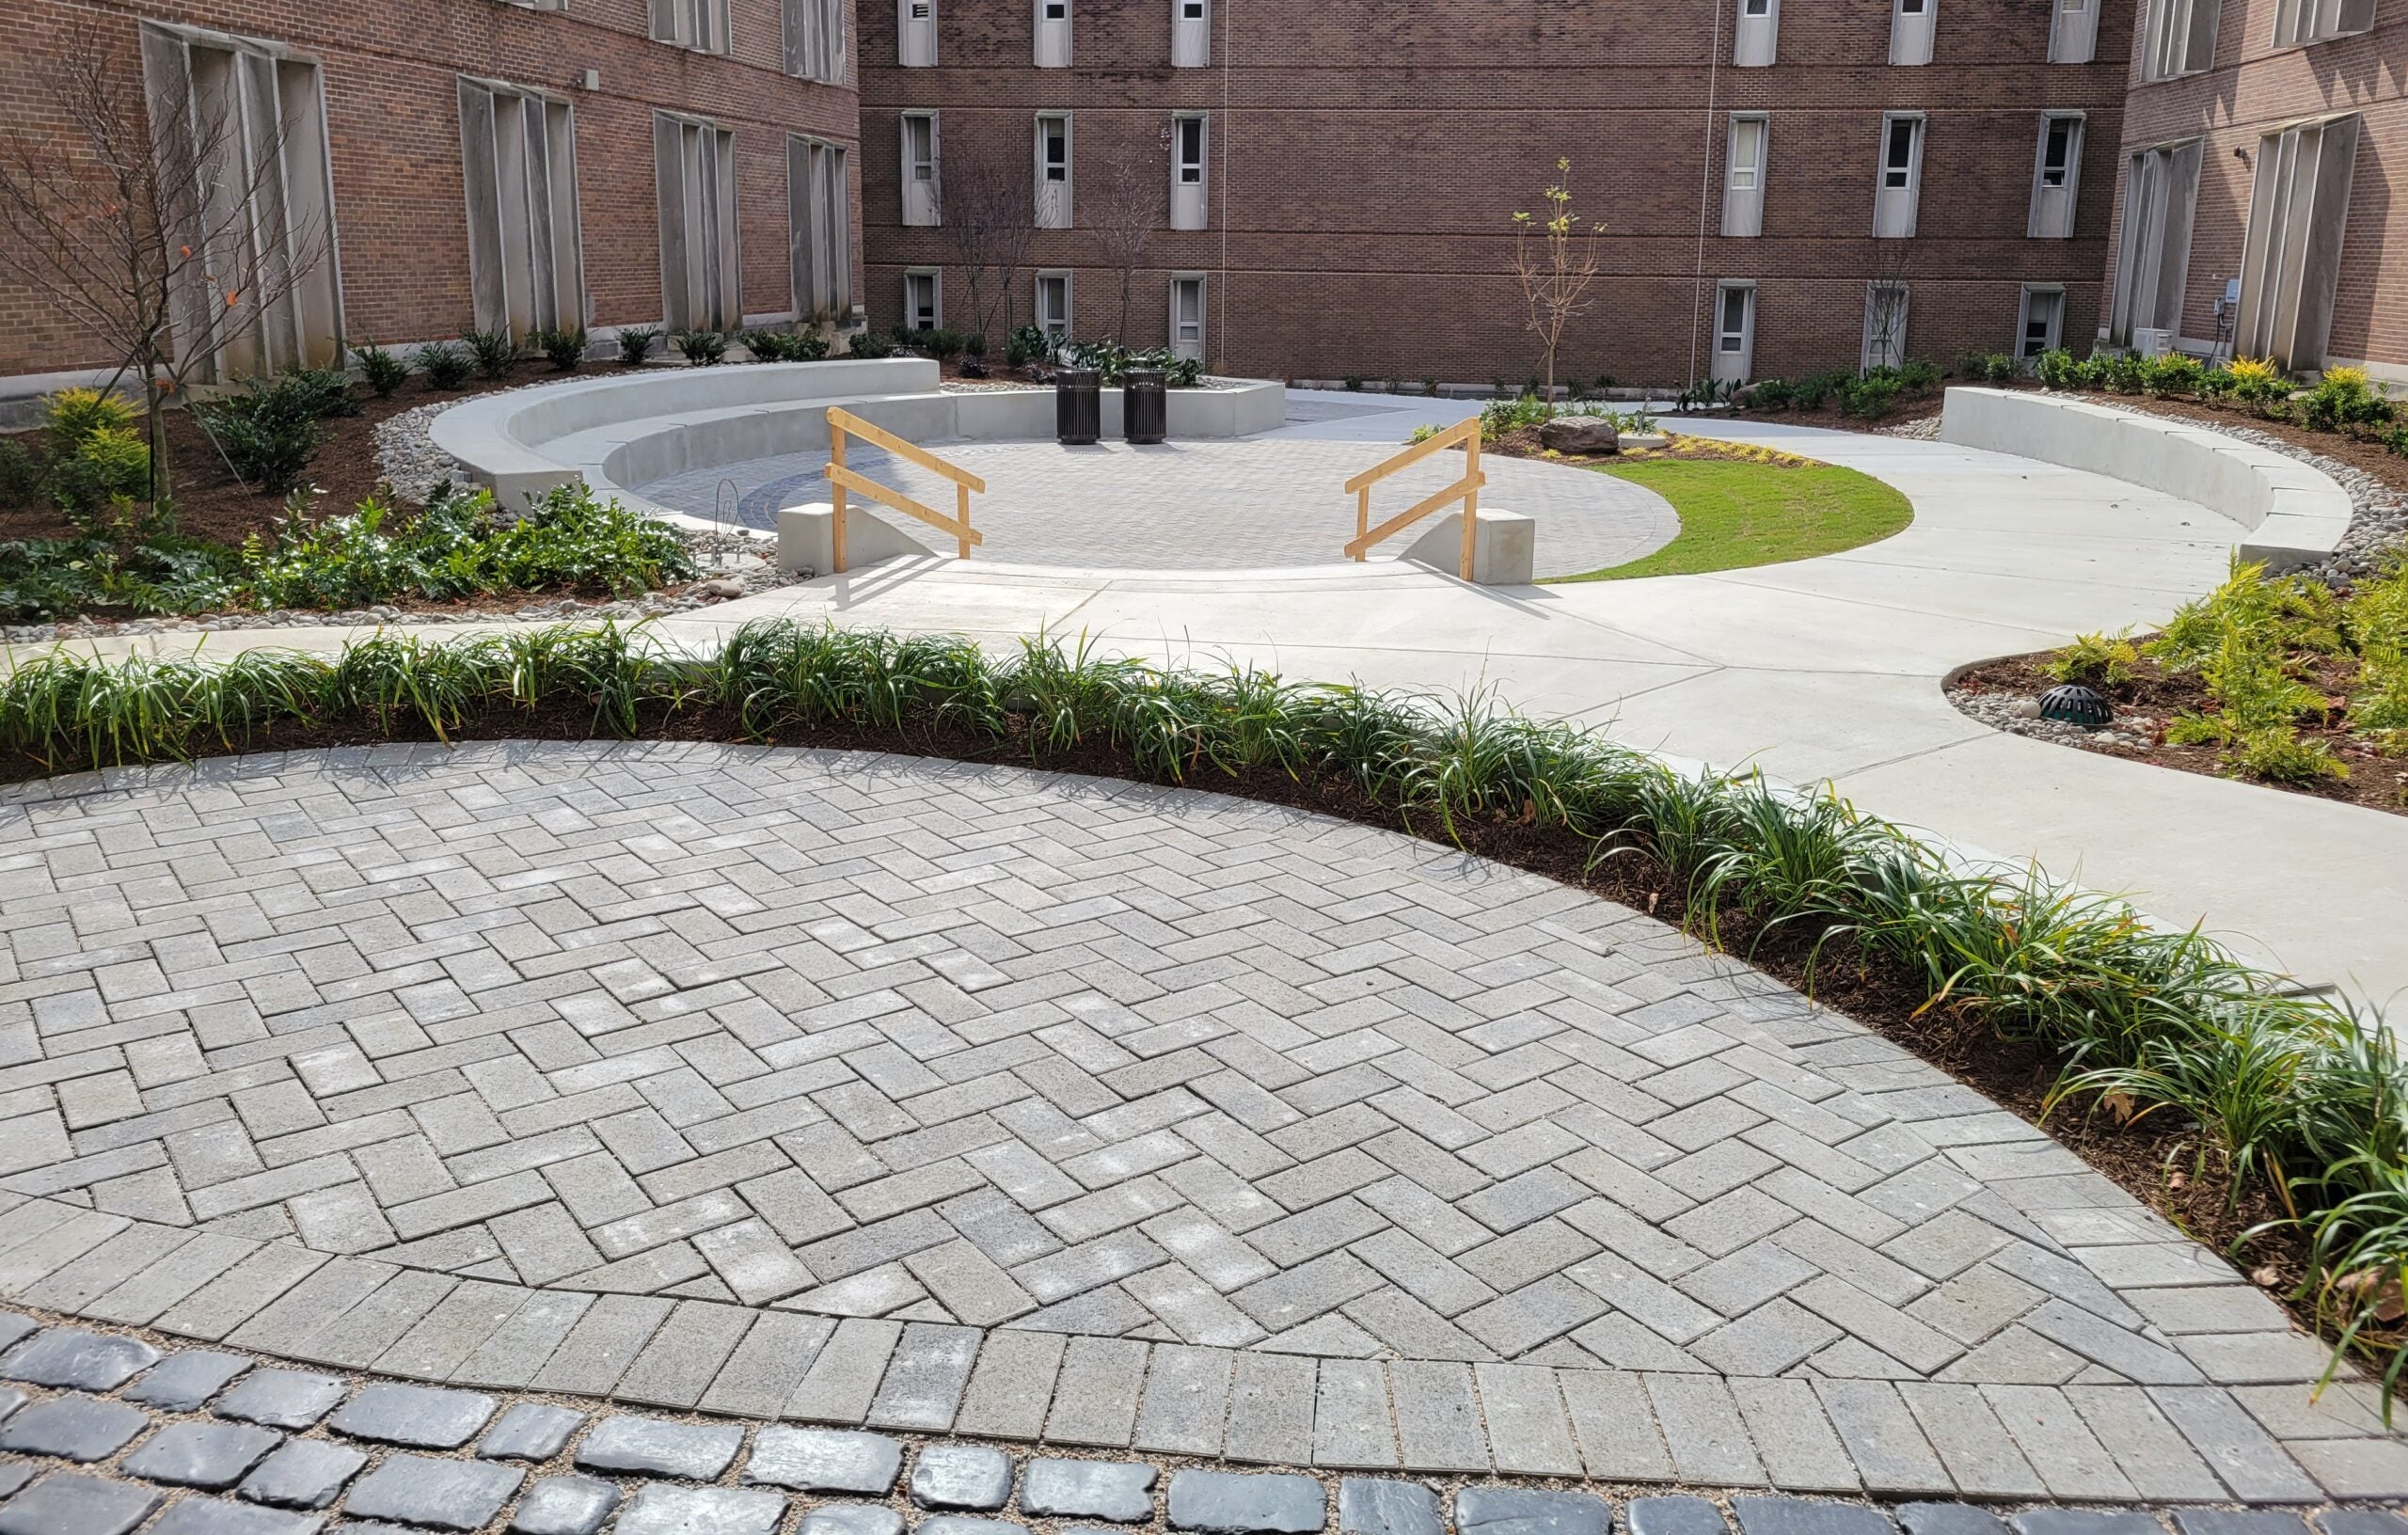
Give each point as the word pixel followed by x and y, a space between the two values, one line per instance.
pixel 1736 514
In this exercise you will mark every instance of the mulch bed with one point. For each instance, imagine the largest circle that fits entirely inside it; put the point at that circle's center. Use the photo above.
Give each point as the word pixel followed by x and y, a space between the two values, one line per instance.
pixel 2376 782
pixel 2152 1158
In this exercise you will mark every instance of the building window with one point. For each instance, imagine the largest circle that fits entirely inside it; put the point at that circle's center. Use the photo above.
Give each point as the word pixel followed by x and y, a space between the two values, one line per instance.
pixel 1187 204
pixel 2181 38
pixel 923 185
pixel 518 152
pixel 695 163
pixel 815 39
pixel 1735 331
pixel 1054 304
pixel 1187 315
pixel 820 229
pixel 2056 176
pixel 1191 34
pixel 915 34
pixel 240 129
pixel 1901 183
pixel 2153 253
pixel 1052 34
pixel 2073 33
pixel 2291 261
pixel 1755 40
pixel 1053 170
pixel 699 25
pixel 2041 327
pixel 1912 24
pixel 2299 22
pixel 1743 180
pixel 923 299
pixel 1885 325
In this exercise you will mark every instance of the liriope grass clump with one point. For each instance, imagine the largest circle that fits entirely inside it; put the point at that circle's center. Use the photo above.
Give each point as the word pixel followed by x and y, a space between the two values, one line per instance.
pixel 2275 1091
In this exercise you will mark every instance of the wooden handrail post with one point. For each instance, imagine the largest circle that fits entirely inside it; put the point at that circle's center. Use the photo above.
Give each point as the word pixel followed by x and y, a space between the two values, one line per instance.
pixel 1471 501
pixel 836 499
pixel 1362 522
pixel 962 514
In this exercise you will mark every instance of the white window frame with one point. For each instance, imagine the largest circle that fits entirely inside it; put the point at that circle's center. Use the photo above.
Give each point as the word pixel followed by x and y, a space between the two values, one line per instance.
pixel 2055 296
pixel 1050 33
pixel 915 34
pixel 1743 181
pixel 2179 38
pixel 1054 325
pixel 267 98
pixel 702 26
pixel 519 166
pixel 1885 328
pixel 1755 34
pixel 922 173
pixel 2290 262
pixel 819 228
pixel 1734 364
pixel 2153 244
pixel 1189 347
pixel 1191 179
pixel 1053 202
pixel 701 266
pixel 934 278
pixel 1897 190
pixel 2301 24
pixel 2051 215
pixel 813 35
pixel 2074 31
pixel 1912 26
pixel 1191 34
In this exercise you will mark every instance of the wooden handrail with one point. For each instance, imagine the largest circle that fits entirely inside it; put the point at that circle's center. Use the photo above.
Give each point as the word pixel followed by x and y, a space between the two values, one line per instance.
pixel 1464 435
pixel 843 424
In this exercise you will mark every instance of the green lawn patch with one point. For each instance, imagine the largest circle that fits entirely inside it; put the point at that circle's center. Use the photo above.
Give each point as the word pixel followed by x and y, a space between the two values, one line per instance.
pixel 1736 514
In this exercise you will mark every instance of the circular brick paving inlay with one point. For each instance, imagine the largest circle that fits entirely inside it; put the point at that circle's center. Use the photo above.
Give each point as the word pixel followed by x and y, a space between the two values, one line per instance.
pixel 881 1037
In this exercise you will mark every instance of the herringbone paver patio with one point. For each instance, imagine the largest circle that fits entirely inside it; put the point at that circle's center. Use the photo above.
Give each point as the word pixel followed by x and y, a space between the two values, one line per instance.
pixel 845 1086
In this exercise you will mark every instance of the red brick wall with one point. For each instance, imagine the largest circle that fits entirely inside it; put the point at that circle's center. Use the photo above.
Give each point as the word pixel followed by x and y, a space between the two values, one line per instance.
pixel 2254 88
pixel 1371 156
pixel 390 70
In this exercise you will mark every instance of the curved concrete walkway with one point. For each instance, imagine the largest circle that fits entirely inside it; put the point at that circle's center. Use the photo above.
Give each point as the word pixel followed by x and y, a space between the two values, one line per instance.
pixel 844 1087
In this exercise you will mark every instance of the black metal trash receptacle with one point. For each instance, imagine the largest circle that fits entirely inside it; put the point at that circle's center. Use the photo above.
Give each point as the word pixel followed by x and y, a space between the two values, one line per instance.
pixel 1078 405
pixel 1145 408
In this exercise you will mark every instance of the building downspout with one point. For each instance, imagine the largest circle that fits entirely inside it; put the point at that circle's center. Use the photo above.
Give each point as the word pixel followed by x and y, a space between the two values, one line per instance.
pixel 1704 184
pixel 1216 302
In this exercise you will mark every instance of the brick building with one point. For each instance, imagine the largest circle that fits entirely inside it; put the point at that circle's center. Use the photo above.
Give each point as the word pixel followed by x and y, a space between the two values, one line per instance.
pixel 2252 206
pixel 477 162
pixel 1296 190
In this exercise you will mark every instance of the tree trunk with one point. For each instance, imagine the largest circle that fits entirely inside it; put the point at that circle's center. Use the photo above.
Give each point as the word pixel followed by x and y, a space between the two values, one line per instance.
pixel 162 480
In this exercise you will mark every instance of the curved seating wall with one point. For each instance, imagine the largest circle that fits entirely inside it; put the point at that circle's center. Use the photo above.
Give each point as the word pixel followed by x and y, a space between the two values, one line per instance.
pixel 613 434
pixel 2290 514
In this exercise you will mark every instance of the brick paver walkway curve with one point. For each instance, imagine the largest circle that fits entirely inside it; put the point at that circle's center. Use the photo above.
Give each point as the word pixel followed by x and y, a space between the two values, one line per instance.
pixel 870 1089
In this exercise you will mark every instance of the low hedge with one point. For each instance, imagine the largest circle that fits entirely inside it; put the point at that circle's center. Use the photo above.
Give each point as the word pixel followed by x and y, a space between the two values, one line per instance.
pixel 2286 1091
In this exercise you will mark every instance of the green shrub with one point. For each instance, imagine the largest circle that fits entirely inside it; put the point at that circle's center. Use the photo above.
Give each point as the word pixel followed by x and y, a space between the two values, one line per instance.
pixel 1184 372
pixel 1027 344
pixel 111 464
pixel 1993 368
pixel 444 368
pixel 1870 396
pixel 870 345
pixel 1499 417
pixel 495 351
pixel 23 475
pixel 2103 658
pixel 940 344
pixel 2054 367
pixel 636 343
pixel 382 371
pixel 2174 373
pixel 2257 381
pixel 70 416
pixel 2278 754
pixel 1815 391
pixel 562 349
pixel 2343 399
pixel 700 348
pixel 269 433
pixel 1916 376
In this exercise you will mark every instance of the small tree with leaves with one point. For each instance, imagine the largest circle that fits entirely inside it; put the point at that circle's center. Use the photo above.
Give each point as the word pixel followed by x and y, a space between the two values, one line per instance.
pixel 145 241
pixel 1557 262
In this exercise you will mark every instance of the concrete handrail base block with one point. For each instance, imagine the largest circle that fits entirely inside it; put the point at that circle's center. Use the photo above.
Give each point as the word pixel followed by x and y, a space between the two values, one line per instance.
pixel 2292 514
pixel 1504 548
pixel 807 539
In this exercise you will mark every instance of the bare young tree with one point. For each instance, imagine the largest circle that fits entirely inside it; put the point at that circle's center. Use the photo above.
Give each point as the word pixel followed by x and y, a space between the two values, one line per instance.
pixel 1885 302
pixel 988 225
pixel 1128 207
pixel 147 243
pixel 1556 261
